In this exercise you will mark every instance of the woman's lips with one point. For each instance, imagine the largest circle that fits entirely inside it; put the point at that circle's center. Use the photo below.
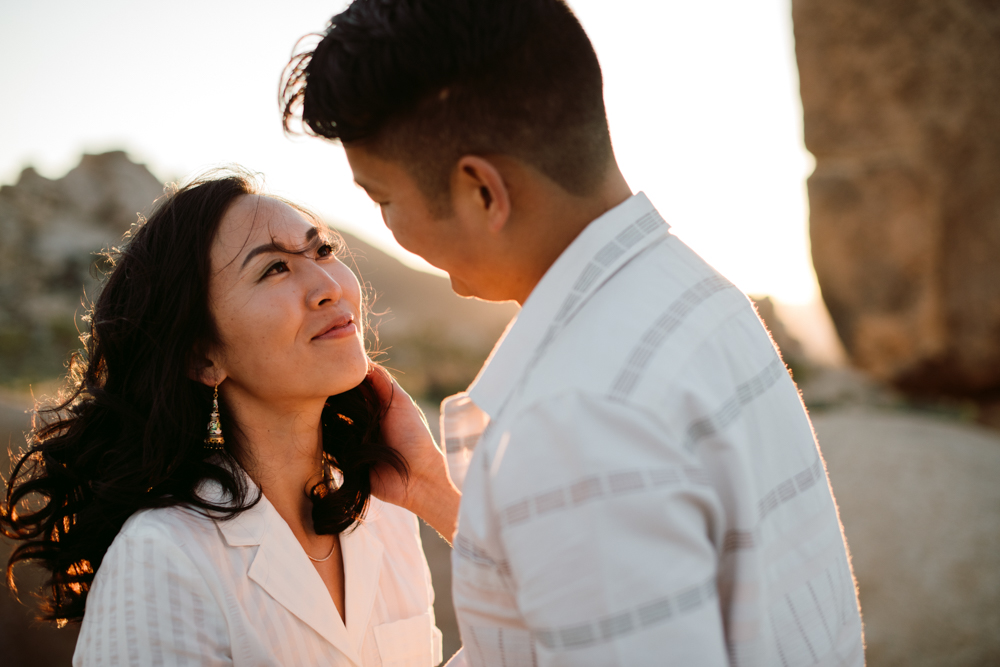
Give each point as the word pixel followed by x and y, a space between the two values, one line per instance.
pixel 341 330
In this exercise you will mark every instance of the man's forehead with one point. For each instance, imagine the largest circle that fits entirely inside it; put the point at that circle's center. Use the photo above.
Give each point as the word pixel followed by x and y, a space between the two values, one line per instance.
pixel 370 170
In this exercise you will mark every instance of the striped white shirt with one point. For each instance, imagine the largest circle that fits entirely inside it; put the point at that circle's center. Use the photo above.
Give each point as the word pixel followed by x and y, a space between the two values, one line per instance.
pixel 647 490
pixel 177 588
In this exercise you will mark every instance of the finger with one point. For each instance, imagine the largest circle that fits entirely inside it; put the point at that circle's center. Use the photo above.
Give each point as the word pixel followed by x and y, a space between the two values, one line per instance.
pixel 384 384
pixel 390 387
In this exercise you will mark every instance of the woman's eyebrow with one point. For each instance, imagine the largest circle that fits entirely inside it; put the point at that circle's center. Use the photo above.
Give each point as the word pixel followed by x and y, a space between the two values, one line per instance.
pixel 311 235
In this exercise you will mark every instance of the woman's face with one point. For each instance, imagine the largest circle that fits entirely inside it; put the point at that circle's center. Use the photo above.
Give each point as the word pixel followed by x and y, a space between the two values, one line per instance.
pixel 289 324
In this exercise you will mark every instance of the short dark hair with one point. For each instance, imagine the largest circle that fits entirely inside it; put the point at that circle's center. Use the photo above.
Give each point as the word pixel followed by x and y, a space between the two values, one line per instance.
pixel 427 81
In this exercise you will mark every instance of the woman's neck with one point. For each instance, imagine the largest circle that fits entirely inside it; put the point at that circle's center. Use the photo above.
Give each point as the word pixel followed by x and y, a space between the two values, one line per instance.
pixel 283 454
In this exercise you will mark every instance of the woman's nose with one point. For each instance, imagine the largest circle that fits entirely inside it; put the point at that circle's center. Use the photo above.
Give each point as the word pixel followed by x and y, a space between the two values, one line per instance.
pixel 323 287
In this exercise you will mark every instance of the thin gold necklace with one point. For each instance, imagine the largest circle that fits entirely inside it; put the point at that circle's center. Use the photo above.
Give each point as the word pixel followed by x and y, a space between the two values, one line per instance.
pixel 326 472
pixel 332 549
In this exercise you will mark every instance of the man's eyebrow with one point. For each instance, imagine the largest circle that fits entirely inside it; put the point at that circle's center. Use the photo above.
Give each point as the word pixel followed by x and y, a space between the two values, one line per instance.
pixel 311 235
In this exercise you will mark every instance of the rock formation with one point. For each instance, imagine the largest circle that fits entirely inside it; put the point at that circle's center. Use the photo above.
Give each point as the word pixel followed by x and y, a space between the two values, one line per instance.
pixel 787 344
pixel 902 111
pixel 51 234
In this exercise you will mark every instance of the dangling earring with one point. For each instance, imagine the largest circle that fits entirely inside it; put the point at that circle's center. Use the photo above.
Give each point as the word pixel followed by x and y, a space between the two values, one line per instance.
pixel 214 440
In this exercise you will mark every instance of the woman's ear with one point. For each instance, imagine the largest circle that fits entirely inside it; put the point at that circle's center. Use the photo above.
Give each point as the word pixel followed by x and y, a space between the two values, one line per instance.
pixel 480 192
pixel 201 368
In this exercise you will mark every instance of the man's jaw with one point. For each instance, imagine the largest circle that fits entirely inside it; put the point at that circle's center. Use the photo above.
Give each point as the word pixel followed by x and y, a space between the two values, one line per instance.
pixel 460 287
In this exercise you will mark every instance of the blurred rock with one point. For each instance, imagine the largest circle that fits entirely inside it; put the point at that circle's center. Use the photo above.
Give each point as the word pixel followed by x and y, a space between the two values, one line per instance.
pixel 790 348
pixel 51 232
pixel 920 505
pixel 811 325
pixel 989 413
pixel 840 387
pixel 901 102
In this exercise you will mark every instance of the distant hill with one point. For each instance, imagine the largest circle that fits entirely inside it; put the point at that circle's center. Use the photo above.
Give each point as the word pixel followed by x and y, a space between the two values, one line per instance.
pixel 50 231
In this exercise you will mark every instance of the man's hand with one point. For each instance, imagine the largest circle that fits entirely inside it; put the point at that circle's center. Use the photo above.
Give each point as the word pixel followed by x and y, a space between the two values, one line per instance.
pixel 429 492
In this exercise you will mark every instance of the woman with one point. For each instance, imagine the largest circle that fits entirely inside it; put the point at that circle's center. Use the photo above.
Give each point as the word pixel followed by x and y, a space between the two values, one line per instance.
pixel 246 542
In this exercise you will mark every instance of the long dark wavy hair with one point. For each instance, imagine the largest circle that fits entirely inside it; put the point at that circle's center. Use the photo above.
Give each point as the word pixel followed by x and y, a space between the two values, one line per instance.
pixel 128 431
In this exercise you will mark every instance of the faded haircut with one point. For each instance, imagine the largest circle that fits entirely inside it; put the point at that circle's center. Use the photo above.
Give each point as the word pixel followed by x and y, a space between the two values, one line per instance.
pixel 424 82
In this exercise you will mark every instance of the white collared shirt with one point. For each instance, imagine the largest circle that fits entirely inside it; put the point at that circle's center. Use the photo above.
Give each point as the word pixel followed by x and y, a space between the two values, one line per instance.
pixel 177 588
pixel 647 490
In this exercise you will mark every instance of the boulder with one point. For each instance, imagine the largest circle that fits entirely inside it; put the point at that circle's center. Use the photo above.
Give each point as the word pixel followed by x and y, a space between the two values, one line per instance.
pixel 51 234
pixel 788 345
pixel 901 102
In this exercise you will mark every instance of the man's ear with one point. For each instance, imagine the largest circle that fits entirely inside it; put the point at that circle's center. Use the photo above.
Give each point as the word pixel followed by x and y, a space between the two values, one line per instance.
pixel 201 368
pixel 479 191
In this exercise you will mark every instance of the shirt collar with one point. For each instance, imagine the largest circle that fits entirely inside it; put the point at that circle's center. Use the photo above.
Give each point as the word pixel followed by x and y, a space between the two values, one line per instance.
pixel 603 247
pixel 282 568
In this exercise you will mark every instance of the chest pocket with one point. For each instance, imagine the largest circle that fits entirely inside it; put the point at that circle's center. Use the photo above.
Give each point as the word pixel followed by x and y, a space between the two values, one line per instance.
pixel 413 642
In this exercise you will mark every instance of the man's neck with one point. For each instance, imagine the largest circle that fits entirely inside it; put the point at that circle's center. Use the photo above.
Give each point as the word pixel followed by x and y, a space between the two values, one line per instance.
pixel 552 222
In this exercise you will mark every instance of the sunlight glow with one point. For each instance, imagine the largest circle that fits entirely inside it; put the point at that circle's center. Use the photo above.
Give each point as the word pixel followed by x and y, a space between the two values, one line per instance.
pixel 702 99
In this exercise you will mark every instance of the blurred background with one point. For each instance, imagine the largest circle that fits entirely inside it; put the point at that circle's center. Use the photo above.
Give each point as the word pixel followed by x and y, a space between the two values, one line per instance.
pixel 839 160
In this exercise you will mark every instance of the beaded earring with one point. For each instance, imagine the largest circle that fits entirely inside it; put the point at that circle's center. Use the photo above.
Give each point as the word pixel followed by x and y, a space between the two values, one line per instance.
pixel 214 440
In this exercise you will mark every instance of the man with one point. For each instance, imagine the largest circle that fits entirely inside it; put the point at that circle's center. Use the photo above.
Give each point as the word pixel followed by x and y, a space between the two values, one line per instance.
pixel 647 489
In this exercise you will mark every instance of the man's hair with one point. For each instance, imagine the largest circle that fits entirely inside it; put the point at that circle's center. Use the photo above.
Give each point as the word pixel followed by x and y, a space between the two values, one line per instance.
pixel 424 82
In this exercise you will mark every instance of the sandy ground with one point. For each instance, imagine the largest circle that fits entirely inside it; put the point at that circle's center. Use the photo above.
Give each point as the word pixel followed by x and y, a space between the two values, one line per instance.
pixel 919 499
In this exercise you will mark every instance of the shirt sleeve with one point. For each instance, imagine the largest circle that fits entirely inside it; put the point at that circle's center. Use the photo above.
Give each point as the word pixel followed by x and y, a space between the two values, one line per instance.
pixel 609 530
pixel 150 605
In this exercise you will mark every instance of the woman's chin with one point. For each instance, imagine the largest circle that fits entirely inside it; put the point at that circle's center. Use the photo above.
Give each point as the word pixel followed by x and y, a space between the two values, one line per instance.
pixel 346 379
pixel 317 385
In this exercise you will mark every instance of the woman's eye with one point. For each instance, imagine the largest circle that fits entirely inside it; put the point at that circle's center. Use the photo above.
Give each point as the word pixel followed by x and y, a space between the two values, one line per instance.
pixel 277 267
pixel 325 250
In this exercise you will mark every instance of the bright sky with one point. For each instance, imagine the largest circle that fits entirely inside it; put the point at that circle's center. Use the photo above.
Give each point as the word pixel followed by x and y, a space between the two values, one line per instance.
pixel 702 99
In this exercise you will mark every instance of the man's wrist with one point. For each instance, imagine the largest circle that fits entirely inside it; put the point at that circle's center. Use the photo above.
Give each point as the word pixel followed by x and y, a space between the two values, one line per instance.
pixel 435 500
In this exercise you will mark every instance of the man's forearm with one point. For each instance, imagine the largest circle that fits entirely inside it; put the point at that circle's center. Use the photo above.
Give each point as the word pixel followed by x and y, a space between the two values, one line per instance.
pixel 436 502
